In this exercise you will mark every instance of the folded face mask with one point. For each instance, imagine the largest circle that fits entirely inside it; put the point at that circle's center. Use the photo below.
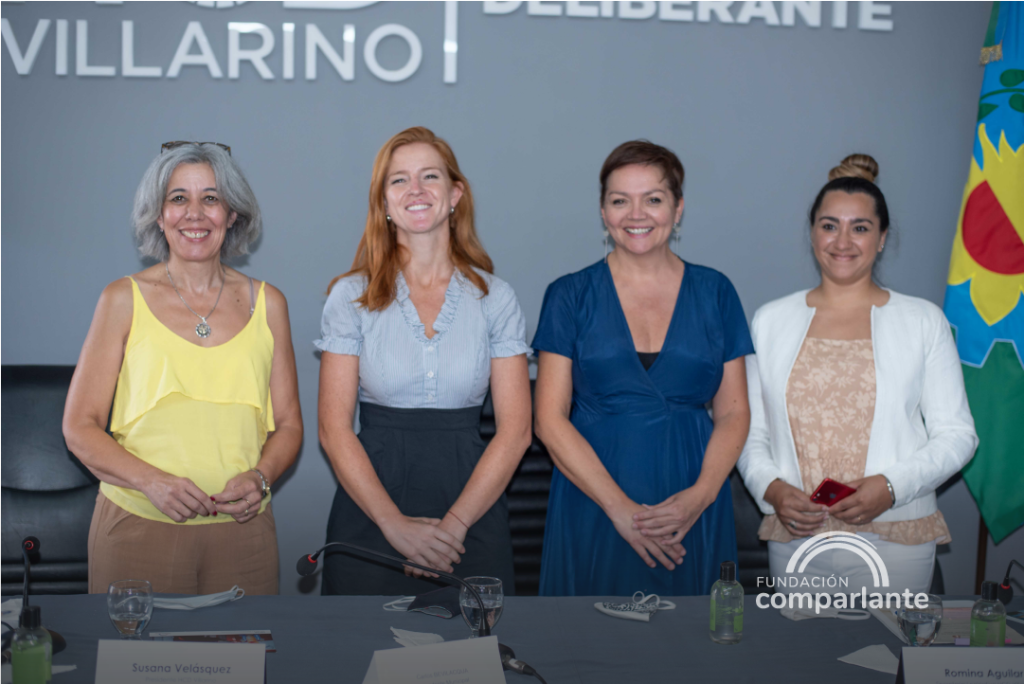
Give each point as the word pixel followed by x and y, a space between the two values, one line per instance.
pixel 194 602
pixel 641 608
pixel 808 613
pixel 442 603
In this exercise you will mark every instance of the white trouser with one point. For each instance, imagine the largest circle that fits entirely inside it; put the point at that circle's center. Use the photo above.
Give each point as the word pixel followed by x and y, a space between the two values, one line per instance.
pixel 909 567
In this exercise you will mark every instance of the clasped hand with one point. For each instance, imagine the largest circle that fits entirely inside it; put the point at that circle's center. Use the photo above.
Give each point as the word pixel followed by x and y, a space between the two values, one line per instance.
pixel 666 549
pixel 871 499
pixel 803 518
pixel 180 499
pixel 426 541
pixel 242 497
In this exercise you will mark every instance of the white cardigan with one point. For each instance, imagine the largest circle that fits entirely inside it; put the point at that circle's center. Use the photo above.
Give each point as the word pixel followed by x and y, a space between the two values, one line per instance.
pixel 922 431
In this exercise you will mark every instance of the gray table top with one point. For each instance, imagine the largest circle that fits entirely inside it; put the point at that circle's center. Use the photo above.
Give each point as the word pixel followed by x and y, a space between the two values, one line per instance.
pixel 332 639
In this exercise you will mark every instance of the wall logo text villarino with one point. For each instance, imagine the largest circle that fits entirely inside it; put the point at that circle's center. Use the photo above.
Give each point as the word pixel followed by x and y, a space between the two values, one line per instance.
pixel 254 43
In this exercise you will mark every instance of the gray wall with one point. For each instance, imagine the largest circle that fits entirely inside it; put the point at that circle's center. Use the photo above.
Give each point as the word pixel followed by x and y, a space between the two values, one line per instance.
pixel 757 113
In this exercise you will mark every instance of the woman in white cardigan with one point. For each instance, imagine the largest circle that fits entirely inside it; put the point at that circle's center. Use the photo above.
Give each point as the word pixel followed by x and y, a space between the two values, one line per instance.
pixel 861 385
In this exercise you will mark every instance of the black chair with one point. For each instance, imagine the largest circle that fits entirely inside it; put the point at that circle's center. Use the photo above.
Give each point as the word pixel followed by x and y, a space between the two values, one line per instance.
pixel 46 491
pixel 527 495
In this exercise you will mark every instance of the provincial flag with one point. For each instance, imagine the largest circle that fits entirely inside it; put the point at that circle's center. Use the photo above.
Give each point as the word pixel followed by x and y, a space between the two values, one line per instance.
pixel 986 278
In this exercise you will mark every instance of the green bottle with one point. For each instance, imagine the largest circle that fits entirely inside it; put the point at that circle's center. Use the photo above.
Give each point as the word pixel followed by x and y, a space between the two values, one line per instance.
pixel 727 607
pixel 988 618
pixel 31 650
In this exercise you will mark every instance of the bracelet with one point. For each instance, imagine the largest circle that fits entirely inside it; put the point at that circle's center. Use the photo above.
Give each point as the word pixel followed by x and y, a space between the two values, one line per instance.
pixel 265 488
pixel 892 492
pixel 452 513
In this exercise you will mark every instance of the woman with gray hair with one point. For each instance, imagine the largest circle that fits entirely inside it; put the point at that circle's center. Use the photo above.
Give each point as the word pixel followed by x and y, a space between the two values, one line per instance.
pixel 192 364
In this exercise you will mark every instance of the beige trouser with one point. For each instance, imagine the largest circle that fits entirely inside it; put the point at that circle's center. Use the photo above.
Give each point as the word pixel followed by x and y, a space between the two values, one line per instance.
pixel 181 559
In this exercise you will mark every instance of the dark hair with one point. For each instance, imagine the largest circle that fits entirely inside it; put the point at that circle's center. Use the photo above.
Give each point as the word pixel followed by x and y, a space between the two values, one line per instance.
pixel 648 154
pixel 854 174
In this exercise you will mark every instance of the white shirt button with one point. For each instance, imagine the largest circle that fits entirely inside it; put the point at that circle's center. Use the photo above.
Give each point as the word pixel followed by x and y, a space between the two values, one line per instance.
pixel 430 395
pixel 430 348
pixel 430 374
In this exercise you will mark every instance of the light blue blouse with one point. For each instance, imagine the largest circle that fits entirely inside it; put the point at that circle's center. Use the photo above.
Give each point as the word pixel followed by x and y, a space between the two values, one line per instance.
pixel 400 367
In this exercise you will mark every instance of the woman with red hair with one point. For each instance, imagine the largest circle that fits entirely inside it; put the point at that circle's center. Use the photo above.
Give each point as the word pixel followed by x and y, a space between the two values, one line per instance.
pixel 413 335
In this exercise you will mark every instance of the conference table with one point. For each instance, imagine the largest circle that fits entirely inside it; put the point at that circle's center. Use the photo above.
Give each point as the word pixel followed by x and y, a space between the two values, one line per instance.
pixel 332 639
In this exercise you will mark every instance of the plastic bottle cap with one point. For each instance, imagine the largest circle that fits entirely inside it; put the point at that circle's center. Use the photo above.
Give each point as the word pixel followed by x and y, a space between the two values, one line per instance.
pixel 31 617
pixel 728 572
pixel 989 591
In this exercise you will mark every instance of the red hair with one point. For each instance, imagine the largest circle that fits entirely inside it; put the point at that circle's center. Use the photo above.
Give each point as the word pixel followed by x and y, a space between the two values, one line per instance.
pixel 378 256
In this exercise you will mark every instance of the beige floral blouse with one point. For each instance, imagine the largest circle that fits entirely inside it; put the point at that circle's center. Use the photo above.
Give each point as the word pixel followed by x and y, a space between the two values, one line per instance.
pixel 831 402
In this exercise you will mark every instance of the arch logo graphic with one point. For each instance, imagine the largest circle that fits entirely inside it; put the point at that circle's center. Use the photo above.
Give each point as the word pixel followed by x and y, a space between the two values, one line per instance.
pixel 829 592
pixel 840 541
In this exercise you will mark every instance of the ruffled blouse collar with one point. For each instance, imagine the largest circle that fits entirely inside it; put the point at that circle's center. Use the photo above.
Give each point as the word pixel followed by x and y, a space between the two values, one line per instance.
pixel 445 318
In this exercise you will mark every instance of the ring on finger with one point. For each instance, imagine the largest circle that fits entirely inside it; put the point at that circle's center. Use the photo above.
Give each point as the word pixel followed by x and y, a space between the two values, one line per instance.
pixel 792 523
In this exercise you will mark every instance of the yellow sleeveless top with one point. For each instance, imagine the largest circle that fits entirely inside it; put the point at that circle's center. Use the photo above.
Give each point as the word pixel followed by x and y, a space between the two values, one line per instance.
pixel 196 412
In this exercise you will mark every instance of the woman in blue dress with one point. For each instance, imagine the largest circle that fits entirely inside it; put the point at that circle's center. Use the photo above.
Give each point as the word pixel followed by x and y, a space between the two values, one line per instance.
pixel 632 350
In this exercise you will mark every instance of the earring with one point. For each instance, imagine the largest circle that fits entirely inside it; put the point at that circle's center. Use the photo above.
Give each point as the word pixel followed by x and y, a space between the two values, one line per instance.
pixel 452 211
pixel 388 217
pixel 607 244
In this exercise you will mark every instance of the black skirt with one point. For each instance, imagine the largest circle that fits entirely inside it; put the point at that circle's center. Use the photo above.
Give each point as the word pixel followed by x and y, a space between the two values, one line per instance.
pixel 424 458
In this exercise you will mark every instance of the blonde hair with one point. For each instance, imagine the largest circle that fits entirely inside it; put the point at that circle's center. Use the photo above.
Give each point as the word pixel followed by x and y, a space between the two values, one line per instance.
pixel 856 166
pixel 378 256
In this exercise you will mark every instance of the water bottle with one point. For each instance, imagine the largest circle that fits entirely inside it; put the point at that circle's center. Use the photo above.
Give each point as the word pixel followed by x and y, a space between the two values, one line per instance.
pixel 31 649
pixel 988 618
pixel 727 607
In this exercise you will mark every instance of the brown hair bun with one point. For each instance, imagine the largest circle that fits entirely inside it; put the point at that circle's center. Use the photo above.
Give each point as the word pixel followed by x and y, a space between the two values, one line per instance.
pixel 856 166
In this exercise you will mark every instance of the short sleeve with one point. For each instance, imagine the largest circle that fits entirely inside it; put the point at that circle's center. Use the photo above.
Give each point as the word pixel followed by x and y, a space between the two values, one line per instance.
pixel 506 325
pixel 556 331
pixel 736 333
pixel 340 326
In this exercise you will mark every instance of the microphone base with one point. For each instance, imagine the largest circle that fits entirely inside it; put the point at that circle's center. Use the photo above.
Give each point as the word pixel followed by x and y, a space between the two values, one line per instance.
pixel 59 642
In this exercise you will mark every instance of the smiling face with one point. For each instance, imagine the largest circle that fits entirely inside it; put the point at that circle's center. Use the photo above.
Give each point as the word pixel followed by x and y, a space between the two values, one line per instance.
pixel 418 193
pixel 639 209
pixel 846 236
pixel 194 219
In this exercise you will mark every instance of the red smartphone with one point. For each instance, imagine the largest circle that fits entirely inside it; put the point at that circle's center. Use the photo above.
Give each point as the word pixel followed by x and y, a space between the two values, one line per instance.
pixel 830 492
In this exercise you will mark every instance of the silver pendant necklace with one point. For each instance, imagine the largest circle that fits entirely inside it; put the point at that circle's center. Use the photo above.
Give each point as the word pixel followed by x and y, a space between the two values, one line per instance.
pixel 203 328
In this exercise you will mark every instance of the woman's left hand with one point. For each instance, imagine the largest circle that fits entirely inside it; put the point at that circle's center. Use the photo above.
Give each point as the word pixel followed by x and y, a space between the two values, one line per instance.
pixel 871 499
pixel 241 498
pixel 672 518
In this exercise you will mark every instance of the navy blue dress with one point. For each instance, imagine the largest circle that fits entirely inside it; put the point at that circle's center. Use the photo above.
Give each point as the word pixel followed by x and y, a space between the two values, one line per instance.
pixel 648 427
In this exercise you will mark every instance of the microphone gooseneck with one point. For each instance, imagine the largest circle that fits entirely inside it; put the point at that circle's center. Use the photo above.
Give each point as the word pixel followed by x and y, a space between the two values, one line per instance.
pixel 29 545
pixel 307 566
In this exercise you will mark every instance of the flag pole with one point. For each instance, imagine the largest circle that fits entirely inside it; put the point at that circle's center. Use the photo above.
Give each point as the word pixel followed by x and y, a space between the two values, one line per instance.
pixel 979 570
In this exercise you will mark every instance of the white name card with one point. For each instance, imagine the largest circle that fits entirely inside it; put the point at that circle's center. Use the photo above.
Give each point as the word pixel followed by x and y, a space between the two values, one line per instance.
pixel 469 661
pixel 172 662
pixel 960 664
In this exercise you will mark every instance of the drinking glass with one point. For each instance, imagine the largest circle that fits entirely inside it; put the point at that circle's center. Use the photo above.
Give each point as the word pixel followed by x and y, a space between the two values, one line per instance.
pixel 921 625
pixel 493 598
pixel 130 606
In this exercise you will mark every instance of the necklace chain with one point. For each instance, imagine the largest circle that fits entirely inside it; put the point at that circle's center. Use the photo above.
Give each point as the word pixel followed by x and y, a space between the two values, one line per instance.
pixel 202 329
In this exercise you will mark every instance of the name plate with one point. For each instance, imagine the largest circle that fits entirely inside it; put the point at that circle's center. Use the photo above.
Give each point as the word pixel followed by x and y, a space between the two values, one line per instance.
pixel 469 661
pixel 956 665
pixel 171 662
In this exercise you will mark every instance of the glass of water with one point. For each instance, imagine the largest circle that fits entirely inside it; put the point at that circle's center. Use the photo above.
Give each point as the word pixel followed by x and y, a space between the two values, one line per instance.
pixel 493 597
pixel 921 625
pixel 130 606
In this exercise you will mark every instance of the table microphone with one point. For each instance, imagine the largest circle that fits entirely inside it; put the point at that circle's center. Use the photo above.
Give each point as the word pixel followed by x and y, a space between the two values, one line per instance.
pixel 306 565
pixel 30 549
pixel 1005 590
